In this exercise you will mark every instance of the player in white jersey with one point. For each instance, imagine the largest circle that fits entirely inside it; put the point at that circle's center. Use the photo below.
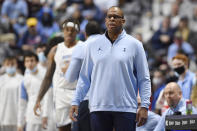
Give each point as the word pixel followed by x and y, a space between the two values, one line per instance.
pixel 9 88
pixel 28 93
pixel 92 31
pixel 58 61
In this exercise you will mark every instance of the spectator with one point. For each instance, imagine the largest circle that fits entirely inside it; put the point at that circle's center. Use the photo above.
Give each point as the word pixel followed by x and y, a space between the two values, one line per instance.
pixel 11 9
pixel 163 37
pixel 180 64
pixel 174 15
pixel 46 25
pixel 183 28
pixel 62 11
pixel 91 12
pixel 32 36
pixel 180 46
pixel 20 27
pixel 8 46
pixel 158 85
pixel 176 102
pixel 34 7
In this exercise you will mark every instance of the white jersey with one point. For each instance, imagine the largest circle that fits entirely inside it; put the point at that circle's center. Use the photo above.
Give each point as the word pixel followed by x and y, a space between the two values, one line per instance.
pixel 9 88
pixel 62 56
pixel 63 90
pixel 28 94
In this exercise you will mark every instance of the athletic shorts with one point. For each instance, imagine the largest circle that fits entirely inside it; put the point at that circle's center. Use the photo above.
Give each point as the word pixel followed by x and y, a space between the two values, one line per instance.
pixel 63 99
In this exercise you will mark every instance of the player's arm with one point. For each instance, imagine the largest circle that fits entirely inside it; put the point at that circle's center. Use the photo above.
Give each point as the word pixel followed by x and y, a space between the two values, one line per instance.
pixel 46 83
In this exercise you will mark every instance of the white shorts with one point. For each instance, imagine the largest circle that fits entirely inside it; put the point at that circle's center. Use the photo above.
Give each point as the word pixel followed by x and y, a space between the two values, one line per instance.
pixel 63 99
pixel 34 127
pixel 8 128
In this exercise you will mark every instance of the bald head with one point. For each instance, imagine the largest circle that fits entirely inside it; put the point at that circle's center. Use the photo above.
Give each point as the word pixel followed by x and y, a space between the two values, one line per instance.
pixel 173 86
pixel 116 9
pixel 173 94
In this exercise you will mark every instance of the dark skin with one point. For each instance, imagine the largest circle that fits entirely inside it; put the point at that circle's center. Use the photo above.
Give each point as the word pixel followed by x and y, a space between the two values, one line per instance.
pixel 69 41
pixel 114 22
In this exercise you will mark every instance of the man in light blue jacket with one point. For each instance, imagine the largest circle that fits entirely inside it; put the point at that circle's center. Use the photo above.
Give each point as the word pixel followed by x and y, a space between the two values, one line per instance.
pixel 114 69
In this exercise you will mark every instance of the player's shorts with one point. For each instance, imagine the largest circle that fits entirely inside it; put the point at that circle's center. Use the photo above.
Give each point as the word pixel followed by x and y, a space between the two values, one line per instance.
pixel 63 99
pixel 34 127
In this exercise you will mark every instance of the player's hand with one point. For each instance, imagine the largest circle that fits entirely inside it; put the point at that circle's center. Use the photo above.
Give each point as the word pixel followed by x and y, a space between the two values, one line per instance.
pixel 73 113
pixel 142 115
pixel 19 128
pixel 36 107
pixel 44 122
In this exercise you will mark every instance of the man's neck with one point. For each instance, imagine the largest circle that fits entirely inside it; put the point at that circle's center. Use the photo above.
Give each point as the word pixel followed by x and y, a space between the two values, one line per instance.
pixel 176 105
pixel 182 77
pixel 69 45
pixel 113 35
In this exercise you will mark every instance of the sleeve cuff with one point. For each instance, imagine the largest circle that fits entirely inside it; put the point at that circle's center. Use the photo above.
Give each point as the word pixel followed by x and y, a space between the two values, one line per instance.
pixel 145 105
pixel 74 103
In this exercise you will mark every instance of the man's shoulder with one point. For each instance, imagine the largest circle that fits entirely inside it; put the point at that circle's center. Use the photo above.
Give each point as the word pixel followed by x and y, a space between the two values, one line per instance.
pixel 191 73
pixel 96 39
pixel 129 38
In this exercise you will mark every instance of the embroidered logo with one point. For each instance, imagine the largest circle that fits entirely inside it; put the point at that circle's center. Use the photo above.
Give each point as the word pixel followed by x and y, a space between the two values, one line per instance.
pixel 99 49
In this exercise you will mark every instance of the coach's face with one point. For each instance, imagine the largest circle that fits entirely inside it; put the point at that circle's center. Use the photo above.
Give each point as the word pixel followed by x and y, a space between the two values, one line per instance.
pixel 114 20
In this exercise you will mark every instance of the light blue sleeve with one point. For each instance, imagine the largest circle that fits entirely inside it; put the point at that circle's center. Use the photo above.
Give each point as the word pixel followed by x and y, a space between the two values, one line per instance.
pixel 74 68
pixel 143 76
pixel 24 8
pixel 84 81
pixel 23 92
pixel 161 124
pixel 188 48
pixel 4 9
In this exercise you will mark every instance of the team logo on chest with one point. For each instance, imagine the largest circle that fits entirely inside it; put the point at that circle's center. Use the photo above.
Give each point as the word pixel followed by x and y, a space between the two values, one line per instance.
pixel 99 49
pixel 124 50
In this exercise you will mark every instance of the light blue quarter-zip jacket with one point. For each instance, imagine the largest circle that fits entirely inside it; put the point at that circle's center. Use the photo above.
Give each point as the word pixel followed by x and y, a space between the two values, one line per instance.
pixel 113 73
